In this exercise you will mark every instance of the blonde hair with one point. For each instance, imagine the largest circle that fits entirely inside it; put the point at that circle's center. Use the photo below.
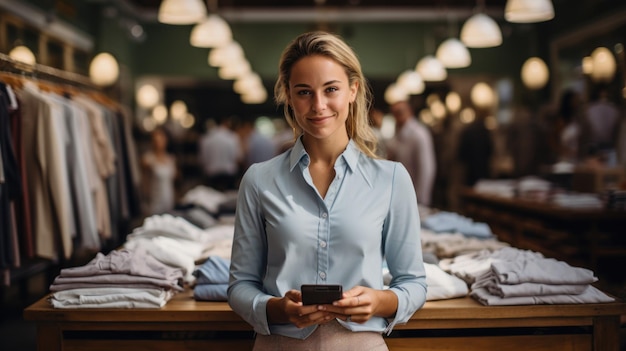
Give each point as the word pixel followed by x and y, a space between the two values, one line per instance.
pixel 333 47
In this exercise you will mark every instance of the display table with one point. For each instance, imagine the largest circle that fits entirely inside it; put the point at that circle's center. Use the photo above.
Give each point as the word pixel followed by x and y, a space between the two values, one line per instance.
pixel 455 324
pixel 580 237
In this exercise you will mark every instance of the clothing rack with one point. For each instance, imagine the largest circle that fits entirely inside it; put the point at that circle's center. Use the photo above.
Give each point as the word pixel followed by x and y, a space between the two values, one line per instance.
pixel 16 73
pixel 45 73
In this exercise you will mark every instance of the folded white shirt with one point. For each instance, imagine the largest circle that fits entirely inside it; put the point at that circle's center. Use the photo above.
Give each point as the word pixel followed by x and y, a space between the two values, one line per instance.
pixel 110 297
pixel 441 285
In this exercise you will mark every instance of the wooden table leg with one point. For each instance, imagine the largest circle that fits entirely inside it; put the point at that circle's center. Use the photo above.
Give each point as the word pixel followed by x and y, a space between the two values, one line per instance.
pixel 49 337
pixel 606 333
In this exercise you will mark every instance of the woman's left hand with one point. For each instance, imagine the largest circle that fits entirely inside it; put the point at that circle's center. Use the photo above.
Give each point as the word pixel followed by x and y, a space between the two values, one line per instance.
pixel 360 303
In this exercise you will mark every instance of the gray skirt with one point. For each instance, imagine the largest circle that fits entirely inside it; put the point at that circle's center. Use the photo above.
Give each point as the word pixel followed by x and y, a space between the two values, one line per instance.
pixel 330 336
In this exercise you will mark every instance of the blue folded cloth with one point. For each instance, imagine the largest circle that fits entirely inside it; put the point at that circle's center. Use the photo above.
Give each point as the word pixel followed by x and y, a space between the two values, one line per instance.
pixel 452 222
pixel 213 271
pixel 211 292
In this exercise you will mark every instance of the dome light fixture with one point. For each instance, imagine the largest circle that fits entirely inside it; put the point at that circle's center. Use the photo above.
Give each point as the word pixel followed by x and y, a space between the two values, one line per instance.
pixel 528 11
pixel 104 69
pixel 534 73
pixel 481 31
pixel 431 69
pixel 453 54
pixel 148 96
pixel 482 95
pixel 181 11
pixel 453 102
pixel 23 54
pixel 604 65
pixel 411 81
pixel 395 93
pixel 220 56
pixel 211 33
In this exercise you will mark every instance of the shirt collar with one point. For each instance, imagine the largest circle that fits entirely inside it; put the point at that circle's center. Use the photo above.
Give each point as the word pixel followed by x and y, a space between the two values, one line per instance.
pixel 298 154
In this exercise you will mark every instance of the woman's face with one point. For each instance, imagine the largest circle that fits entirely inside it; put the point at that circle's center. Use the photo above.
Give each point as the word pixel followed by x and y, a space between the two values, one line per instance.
pixel 159 140
pixel 320 96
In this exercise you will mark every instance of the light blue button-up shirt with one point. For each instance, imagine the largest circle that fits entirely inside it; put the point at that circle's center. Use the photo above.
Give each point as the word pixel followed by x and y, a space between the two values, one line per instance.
pixel 286 235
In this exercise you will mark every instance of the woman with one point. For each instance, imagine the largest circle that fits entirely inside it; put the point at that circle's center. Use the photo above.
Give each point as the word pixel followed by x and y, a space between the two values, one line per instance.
pixel 327 211
pixel 160 172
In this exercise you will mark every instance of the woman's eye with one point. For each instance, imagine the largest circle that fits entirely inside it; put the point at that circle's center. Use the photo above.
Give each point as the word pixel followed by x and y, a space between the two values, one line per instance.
pixel 331 89
pixel 304 92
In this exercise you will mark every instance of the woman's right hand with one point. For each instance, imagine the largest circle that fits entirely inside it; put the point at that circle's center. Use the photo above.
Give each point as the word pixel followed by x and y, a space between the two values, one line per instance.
pixel 289 309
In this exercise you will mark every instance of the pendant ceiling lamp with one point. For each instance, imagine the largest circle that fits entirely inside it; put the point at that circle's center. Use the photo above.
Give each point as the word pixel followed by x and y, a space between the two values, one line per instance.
pixel 23 54
pixel 182 11
pixel 603 65
pixel 104 69
pixel 221 56
pixel 395 93
pixel 247 82
pixel 453 54
pixel 482 95
pixel 147 96
pixel 411 81
pixel 453 102
pixel 431 69
pixel 528 11
pixel 212 32
pixel 481 31
pixel 534 73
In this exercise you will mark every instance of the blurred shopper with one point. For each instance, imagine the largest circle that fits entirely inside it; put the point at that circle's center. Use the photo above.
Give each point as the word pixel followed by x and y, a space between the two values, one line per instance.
pixel 256 146
pixel 601 129
pixel 527 143
pixel 568 126
pixel 412 145
pixel 220 155
pixel 160 171
pixel 376 116
pixel 475 149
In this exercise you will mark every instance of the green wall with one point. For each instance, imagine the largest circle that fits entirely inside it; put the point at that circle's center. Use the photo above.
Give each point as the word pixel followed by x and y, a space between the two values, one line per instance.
pixel 385 49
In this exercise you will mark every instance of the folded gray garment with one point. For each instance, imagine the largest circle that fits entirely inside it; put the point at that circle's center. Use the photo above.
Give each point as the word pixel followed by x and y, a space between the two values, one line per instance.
pixel 590 295
pixel 137 262
pixel 540 270
pixel 527 289
pixel 118 279
pixel 65 287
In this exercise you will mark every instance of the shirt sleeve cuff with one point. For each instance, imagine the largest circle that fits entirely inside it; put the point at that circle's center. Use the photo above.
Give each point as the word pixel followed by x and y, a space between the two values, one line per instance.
pixel 260 312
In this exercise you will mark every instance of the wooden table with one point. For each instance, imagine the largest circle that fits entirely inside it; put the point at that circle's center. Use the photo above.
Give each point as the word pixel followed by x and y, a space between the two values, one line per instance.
pixel 454 324
pixel 582 237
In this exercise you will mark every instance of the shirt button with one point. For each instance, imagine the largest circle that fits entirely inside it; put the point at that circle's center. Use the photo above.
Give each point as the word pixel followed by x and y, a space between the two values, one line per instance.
pixel 324 215
pixel 323 275
pixel 322 243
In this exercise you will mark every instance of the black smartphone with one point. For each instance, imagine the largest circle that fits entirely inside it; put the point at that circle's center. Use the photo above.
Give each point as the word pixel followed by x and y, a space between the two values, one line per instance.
pixel 320 294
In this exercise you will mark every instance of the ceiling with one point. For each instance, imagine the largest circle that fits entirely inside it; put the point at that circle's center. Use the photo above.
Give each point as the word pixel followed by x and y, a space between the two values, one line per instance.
pixel 304 4
pixel 363 10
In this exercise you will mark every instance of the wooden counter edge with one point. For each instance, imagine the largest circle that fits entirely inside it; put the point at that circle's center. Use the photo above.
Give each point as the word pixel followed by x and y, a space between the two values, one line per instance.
pixel 183 308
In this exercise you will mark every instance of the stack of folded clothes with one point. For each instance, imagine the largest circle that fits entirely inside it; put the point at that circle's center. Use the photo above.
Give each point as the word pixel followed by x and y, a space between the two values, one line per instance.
pixel 122 279
pixel 534 279
pixel 212 280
